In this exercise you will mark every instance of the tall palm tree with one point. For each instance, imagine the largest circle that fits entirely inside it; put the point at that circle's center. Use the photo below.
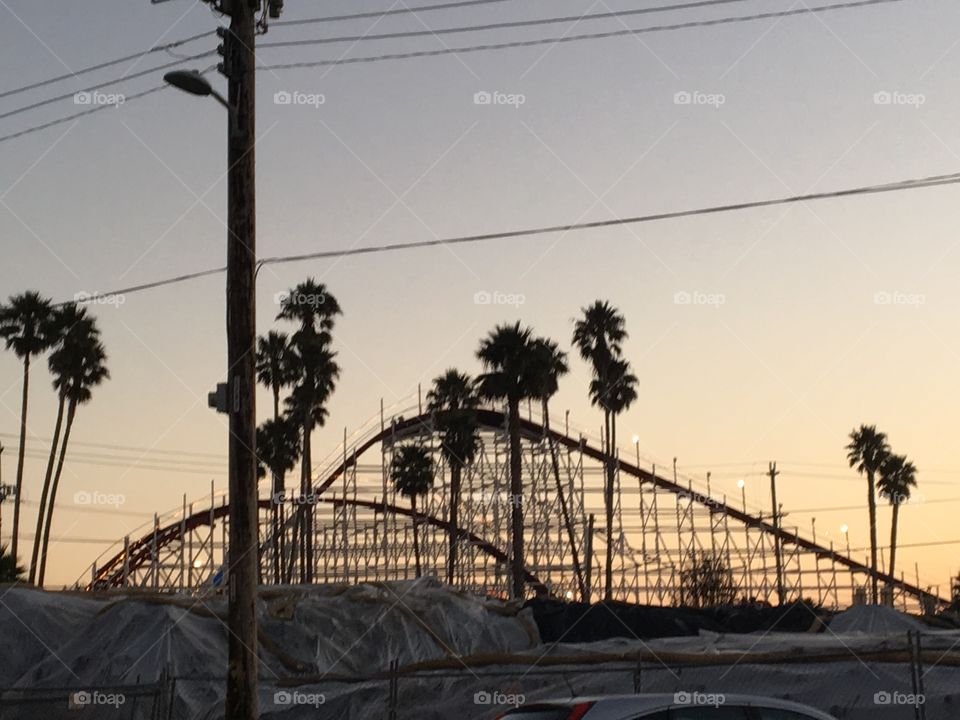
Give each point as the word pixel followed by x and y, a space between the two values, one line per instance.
pixel 867 451
pixel 314 310
pixel 68 325
pixel 81 351
pixel 278 451
pixel 412 473
pixel 507 355
pixel 599 335
pixel 24 328
pixel 898 477
pixel 453 401
pixel 550 364
pixel 10 572
pixel 274 365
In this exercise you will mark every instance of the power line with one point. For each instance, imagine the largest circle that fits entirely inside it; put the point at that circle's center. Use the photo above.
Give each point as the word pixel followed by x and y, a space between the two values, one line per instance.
pixel 78 115
pixel 447 51
pixel 575 38
pixel 499 25
pixel 125 448
pixel 931 181
pixel 104 65
pixel 106 84
pixel 384 13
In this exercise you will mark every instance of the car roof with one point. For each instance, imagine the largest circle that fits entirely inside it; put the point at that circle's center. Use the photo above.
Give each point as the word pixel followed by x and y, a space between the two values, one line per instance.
pixel 656 701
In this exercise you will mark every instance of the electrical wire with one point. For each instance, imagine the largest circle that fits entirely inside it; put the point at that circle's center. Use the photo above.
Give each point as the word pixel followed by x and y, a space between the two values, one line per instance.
pixel 931 181
pixel 574 38
pixel 500 25
pixel 166 47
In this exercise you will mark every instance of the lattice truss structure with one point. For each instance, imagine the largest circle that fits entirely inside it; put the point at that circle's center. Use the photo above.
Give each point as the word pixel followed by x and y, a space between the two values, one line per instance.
pixel 362 530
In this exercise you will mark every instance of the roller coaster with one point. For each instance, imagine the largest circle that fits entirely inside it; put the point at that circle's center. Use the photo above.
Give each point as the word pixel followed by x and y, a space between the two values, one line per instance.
pixel 361 531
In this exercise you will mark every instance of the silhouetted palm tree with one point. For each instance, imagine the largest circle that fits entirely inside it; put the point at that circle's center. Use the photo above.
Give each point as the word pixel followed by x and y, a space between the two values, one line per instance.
pixel 67 324
pixel 898 476
pixel 10 572
pixel 278 451
pixel 453 401
pixel 412 473
pixel 599 337
pixel 507 355
pixel 549 365
pixel 313 365
pixel 867 452
pixel 82 353
pixel 24 325
pixel 274 365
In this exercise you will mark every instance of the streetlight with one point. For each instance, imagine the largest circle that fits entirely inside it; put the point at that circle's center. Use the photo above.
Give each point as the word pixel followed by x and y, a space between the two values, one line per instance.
pixel 636 444
pixel 242 559
pixel 742 484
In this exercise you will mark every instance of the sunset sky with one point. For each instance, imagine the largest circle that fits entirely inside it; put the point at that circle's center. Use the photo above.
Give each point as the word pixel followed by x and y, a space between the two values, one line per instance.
pixel 795 347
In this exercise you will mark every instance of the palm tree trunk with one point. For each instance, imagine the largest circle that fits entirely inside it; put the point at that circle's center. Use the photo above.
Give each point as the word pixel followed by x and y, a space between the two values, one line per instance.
pixel 563 504
pixel 46 488
pixel 416 533
pixel 516 498
pixel 306 539
pixel 872 507
pixel 71 413
pixel 608 509
pixel 20 455
pixel 893 538
pixel 456 470
pixel 275 507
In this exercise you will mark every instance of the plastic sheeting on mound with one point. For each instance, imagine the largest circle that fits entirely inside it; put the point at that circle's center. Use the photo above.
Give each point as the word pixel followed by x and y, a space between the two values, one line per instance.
pixel 60 640
pixel 876 619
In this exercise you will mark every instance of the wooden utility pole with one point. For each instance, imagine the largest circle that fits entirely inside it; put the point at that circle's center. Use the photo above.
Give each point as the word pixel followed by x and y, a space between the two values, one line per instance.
pixel 777 546
pixel 239 67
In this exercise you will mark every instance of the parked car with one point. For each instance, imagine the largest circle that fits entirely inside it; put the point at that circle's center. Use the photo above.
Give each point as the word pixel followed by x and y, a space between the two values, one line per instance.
pixel 681 706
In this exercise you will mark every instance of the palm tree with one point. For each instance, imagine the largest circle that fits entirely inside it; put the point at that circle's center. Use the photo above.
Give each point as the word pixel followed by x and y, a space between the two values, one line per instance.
pixel 412 473
pixel 313 365
pixel 10 572
pixel 897 477
pixel 82 352
pixel 274 369
pixel 67 325
pixel 867 452
pixel 23 326
pixel 507 355
pixel 453 401
pixel 550 364
pixel 278 450
pixel 599 337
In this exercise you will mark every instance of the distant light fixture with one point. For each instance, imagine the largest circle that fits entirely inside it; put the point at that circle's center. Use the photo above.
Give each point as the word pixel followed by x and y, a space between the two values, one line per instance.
pixel 569 595
pixel 741 483
pixel 190 81
pixel 844 528
pixel 198 563
pixel 636 439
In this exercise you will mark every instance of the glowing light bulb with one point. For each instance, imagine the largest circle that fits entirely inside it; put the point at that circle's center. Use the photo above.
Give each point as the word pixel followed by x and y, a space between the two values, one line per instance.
pixel 741 483
pixel 844 528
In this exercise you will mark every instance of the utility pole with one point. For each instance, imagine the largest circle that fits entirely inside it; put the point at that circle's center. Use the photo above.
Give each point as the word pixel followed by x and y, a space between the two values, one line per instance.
pixel 239 68
pixel 777 547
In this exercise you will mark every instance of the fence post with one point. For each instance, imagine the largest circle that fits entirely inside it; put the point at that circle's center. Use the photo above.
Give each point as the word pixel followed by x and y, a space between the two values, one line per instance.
pixel 394 693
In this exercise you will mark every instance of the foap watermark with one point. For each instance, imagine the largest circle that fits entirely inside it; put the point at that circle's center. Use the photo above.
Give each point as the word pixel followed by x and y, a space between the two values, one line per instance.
pixel 295 697
pixel 898 698
pixel 83 699
pixel 897 98
pixel 495 497
pixel 296 97
pixel 97 298
pixel 83 497
pixel 514 100
pixel 699 698
pixel 484 297
pixel 714 300
pixel 697 497
pixel 286 299
pixel 99 98
pixel 901 498
pixel 696 97
pixel 281 498
pixel 899 298
pixel 512 699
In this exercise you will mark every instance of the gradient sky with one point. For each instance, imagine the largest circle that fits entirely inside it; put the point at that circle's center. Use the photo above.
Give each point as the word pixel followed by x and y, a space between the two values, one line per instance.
pixel 799 352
